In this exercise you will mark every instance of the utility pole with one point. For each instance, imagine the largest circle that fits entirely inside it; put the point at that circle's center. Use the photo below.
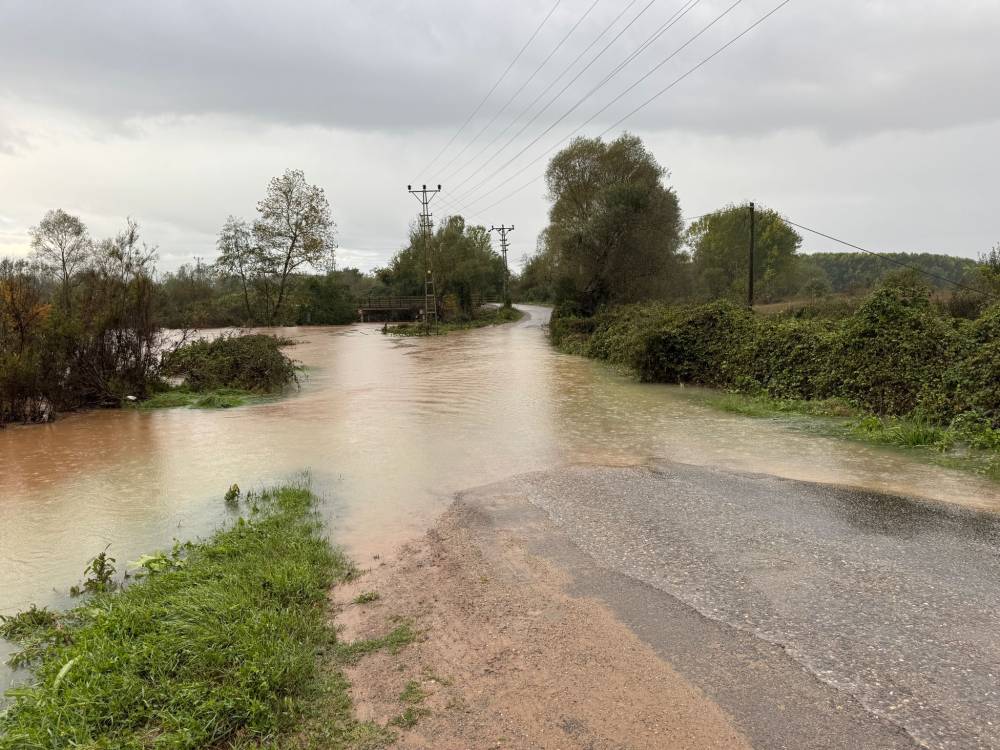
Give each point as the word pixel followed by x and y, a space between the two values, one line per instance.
pixel 750 269
pixel 504 231
pixel 425 197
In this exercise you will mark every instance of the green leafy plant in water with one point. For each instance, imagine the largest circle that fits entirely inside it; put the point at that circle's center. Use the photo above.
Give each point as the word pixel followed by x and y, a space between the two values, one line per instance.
pixel 98 575
pixel 34 630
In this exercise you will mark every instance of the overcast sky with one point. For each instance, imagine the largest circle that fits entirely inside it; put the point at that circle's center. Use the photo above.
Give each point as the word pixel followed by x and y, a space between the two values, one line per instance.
pixel 875 121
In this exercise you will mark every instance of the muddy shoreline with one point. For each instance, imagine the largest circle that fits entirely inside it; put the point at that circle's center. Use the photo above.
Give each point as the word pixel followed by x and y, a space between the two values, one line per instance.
pixel 507 658
pixel 531 638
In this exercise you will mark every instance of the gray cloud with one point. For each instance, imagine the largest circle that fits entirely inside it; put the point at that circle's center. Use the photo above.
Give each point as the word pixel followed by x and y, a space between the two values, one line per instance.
pixel 857 115
pixel 847 68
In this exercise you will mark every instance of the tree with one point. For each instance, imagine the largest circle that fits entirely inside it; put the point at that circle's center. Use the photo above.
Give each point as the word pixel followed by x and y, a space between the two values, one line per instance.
pixel 720 243
pixel 239 256
pixel 614 228
pixel 63 248
pixel 463 263
pixel 21 305
pixel 534 283
pixel 989 269
pixel 294 229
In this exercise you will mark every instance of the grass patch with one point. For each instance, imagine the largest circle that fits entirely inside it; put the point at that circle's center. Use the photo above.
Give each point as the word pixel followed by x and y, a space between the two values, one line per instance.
pixel 366 597
pixel 765 406
pixel 219 398
pixel 485 317
pixel 969 443
pixel 219 649
pixel 409 718
pixel 400 636
pixel 412 693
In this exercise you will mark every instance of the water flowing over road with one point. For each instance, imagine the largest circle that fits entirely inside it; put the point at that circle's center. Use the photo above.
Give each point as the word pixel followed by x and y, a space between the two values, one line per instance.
pixel 390 429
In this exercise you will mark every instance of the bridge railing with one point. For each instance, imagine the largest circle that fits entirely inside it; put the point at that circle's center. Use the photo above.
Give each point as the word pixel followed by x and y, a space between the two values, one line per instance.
pixel 413 302
pixel 390 303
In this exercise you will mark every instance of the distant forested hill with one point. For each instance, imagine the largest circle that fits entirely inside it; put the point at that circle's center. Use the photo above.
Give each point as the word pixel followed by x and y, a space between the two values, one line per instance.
pixel 850 272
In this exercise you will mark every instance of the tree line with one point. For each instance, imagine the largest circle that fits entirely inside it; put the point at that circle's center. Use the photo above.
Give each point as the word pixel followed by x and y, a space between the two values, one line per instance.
pixel 616 236
pixel 81 318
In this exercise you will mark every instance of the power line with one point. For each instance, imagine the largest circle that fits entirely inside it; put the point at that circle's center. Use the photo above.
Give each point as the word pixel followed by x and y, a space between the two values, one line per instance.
pixel 494 87
pixel 548 88
pixel 425 197
pixel 650 72
pixel 719 51
pixel 521 88
pixel 646 103
pixel 556 97
pixel 890 259
pixel 663 28
pixel 504 247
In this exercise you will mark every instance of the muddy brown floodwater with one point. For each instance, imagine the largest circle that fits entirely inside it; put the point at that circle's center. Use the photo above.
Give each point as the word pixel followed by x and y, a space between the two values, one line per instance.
pixel 389 429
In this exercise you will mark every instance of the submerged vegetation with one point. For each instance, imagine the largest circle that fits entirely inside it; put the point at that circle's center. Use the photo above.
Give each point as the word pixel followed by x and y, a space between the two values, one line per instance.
pixel 904 370
pixel 221 643
pixel 223 373
pixel 218 647
pixel 490 316
pixel 251 363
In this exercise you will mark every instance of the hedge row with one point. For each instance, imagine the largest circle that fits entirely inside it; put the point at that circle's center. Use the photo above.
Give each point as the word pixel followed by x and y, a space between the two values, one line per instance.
pixel 896 355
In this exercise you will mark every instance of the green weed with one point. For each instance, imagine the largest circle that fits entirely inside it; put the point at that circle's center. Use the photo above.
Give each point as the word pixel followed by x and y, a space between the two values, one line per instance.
pixel 220 398
pixel 401 636
pixel 409 718
pixel 412 693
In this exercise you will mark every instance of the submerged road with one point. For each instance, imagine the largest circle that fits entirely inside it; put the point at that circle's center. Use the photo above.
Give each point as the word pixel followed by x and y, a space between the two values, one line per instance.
pixel 816 616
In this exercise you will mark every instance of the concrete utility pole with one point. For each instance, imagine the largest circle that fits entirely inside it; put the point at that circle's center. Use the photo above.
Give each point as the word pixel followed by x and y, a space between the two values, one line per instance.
pixel 425 197
pixel 750 270
pixel 504 231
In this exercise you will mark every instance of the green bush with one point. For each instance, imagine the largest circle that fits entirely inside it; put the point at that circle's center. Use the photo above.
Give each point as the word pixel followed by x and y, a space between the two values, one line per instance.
pixel 977 376
pixel 571 333
pixel 892 350
pixel 253 362
pixel 708 345
pixel 621 334
pixel 896 355
pixel 792 358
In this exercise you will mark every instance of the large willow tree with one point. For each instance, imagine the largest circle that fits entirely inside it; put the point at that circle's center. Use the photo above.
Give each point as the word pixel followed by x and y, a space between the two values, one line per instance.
pixel 615 228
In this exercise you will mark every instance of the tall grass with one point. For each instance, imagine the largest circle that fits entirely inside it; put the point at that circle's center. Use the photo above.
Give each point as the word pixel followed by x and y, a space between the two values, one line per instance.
pixel 217 648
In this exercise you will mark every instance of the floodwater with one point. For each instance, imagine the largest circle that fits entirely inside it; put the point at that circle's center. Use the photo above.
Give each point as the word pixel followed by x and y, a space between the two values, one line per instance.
pixel 388 429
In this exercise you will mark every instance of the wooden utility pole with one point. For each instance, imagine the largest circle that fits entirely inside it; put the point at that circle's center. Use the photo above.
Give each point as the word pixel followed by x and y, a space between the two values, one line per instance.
pixel 504 231
pixel 425 197
pixel 750 268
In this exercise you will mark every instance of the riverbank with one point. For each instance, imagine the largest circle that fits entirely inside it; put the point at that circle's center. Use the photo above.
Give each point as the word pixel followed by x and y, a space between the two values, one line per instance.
pixel 898 370
pixel 507 658
pixel 215 644
pixel 976 450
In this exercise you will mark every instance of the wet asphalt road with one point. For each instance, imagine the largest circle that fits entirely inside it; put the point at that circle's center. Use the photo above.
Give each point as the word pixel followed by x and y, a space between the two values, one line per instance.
pixel 889 605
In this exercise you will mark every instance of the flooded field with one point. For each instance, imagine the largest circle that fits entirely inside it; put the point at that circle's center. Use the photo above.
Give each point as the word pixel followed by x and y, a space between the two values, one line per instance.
pixel 389 429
